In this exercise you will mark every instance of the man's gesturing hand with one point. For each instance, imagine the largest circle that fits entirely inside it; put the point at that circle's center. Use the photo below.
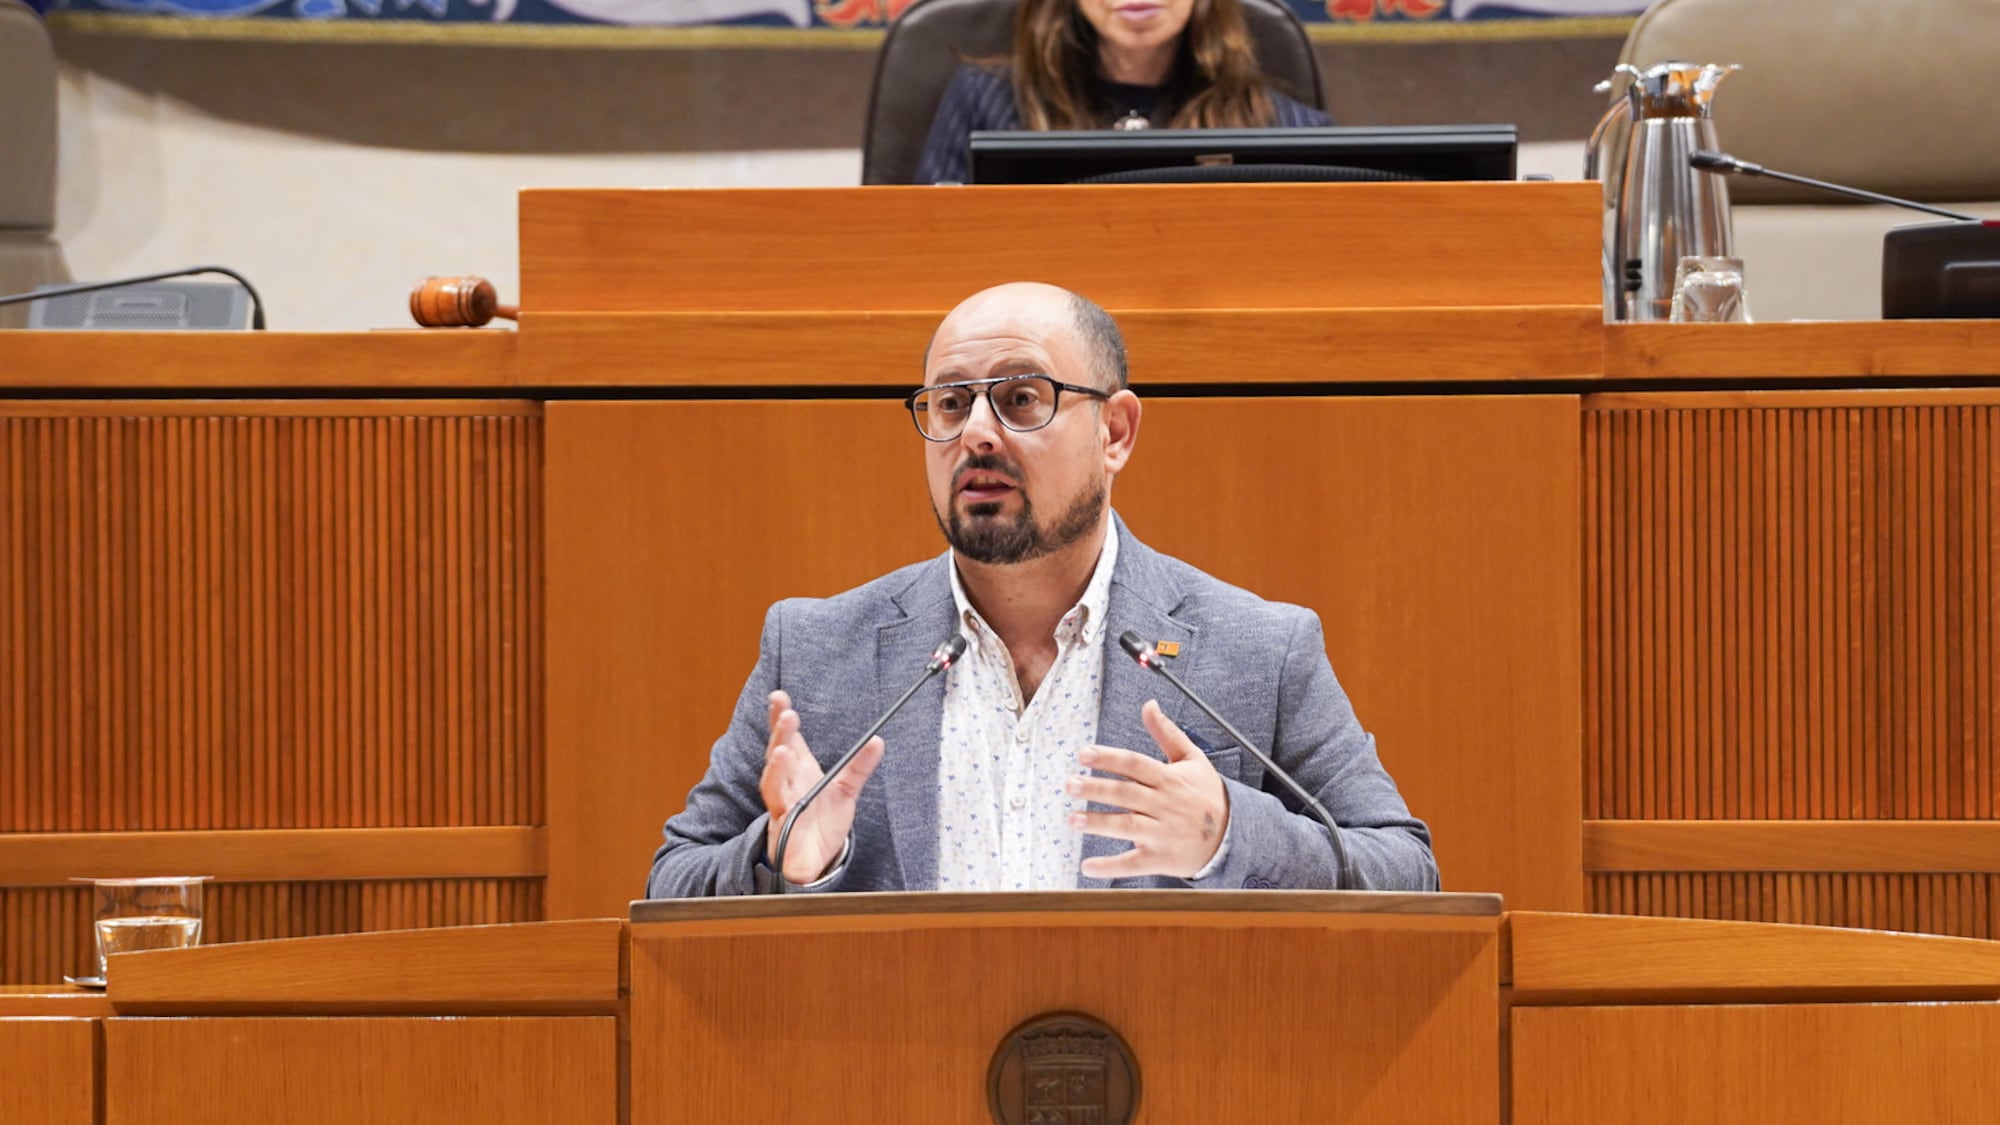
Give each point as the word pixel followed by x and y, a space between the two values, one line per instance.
pixel 1176 810
pixel 790 770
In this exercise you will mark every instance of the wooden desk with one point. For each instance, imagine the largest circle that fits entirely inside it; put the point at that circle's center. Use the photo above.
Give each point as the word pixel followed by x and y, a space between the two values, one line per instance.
pixel 399 629
pixel 499 1023
pixel 1275 1006
pixel 50 1043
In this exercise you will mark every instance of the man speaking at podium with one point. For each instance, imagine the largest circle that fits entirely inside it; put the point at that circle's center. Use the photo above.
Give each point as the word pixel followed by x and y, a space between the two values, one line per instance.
pixel 1047 759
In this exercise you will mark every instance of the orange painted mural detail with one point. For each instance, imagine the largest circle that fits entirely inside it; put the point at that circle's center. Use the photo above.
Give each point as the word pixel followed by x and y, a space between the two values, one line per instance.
pixel 1356 11
pixel 859 13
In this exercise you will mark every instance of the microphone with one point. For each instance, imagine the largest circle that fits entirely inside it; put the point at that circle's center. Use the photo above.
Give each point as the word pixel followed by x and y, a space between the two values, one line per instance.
pixel 942 657
pixel 1142 652
pixel 256 302
pixel 458 302
pixel 1724 164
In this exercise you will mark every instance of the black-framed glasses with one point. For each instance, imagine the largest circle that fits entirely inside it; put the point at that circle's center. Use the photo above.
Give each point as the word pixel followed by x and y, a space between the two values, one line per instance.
pixel 1021 402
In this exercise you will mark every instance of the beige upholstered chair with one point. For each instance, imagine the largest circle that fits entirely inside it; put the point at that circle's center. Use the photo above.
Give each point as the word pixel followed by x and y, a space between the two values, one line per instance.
pixel 925 45
pixel 1894 96
pixel 28 253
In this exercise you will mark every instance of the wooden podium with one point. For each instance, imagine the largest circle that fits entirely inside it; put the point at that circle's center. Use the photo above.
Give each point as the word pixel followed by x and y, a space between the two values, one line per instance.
pixel 1250 1006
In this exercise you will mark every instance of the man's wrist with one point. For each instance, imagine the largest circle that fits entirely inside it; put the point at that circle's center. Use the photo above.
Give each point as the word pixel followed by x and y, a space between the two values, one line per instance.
pixel 1221 855
pixel 831 871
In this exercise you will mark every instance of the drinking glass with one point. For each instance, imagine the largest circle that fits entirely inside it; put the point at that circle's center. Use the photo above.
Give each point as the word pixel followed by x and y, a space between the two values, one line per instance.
pixel 153 913
pixel 1709 290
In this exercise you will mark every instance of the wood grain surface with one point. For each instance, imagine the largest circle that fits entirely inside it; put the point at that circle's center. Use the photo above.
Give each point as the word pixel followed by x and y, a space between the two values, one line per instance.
pixel 1434 536
pixel 1960 905
pixel 544 966
pixel 1252 1024
pixel 487 359
pixel 1319 906
pixel 444 359
pixel 1166 346
pixel 1875 348
pixel 1812 1064
pixel 1586 958
pixel 269 622
pixel 1747 394
pixel 48 1071
pixel 1792 845
pixel 274 855
pixel 520 1070
pixel 231 404
pixel 1148 247
pixel 45 932
pixel 249 619
pixel 1789 615
pixel 53 1000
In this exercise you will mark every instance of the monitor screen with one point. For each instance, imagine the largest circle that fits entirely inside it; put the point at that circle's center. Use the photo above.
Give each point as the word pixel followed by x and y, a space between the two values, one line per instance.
pixel 1407 152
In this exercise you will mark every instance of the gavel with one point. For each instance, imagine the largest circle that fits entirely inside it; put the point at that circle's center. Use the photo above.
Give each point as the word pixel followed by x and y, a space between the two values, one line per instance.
pixel 458 302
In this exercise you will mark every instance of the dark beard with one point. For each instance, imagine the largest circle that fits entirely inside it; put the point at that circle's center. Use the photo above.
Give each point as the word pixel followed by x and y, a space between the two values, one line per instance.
pixel 980 535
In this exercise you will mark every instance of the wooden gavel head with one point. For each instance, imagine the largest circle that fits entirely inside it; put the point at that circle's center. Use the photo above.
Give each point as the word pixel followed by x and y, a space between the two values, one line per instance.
pixel 457 302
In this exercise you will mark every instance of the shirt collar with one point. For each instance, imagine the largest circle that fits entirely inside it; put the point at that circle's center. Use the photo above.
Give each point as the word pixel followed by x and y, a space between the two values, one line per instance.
pixel 1085 618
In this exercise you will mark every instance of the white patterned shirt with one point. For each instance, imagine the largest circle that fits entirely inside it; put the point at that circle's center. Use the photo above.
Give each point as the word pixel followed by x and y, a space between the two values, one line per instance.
pixel 1003 818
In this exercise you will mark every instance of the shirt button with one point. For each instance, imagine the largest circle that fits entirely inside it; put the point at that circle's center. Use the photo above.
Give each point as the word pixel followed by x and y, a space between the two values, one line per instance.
pixel 1021 734
pixel 1017 802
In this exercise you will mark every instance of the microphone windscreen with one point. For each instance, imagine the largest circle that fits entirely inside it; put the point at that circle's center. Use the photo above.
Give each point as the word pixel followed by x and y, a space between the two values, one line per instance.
pixel 1134 645
pixel 946 654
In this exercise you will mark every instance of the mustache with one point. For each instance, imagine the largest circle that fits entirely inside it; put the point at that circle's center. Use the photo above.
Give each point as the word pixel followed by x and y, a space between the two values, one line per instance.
pixel 984 463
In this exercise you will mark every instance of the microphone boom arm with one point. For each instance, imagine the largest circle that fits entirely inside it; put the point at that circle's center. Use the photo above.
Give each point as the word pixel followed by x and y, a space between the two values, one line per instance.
pixel 1725 164
pixel 1148 658
pixel 944 657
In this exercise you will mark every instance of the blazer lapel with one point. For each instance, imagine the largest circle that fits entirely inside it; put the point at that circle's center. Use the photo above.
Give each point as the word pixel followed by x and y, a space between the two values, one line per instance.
pixel 1143 598
pixel 910 762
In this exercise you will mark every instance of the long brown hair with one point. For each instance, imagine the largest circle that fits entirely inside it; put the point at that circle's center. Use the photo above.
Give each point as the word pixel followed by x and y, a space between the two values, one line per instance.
pixel 1215 82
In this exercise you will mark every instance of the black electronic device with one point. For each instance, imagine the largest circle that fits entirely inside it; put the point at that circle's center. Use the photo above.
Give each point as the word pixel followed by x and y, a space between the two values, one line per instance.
pixel 140 302
pixel 1339 153
pixel 1944 271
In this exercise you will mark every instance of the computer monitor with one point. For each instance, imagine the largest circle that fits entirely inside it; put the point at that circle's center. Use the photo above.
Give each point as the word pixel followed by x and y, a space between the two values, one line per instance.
pixel 1406 152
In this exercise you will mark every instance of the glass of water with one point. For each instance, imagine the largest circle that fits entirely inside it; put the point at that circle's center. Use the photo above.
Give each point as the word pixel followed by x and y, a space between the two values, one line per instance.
pixel 1709 290
pixel 154 913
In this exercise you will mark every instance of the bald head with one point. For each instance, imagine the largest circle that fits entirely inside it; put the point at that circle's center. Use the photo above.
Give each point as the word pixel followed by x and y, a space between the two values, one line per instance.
pixel 1028 476
pixel 1050 311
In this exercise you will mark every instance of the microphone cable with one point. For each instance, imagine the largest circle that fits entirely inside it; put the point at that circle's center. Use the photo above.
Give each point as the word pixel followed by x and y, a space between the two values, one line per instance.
pixel 256 302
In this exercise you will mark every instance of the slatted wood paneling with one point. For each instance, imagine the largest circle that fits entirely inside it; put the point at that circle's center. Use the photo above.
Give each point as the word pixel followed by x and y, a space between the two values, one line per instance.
pixel 513 1070
pixel 268 616
pixel 1962 905
pixel 1790 614
pixel 48 929
pixel 269 622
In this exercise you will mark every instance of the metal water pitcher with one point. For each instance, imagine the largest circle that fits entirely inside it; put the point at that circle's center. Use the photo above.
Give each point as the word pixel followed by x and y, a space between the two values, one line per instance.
pixel 1657 208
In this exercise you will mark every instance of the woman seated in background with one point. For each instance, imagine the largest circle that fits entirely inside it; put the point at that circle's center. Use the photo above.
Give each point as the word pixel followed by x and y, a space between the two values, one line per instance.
pixel 1121 64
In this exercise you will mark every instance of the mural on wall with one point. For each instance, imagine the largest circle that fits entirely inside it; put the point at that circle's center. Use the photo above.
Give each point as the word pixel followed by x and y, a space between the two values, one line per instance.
pixel 1463 15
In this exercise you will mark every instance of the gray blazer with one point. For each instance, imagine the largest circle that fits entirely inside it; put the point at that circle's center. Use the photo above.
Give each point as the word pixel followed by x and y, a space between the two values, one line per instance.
pixel 844 659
